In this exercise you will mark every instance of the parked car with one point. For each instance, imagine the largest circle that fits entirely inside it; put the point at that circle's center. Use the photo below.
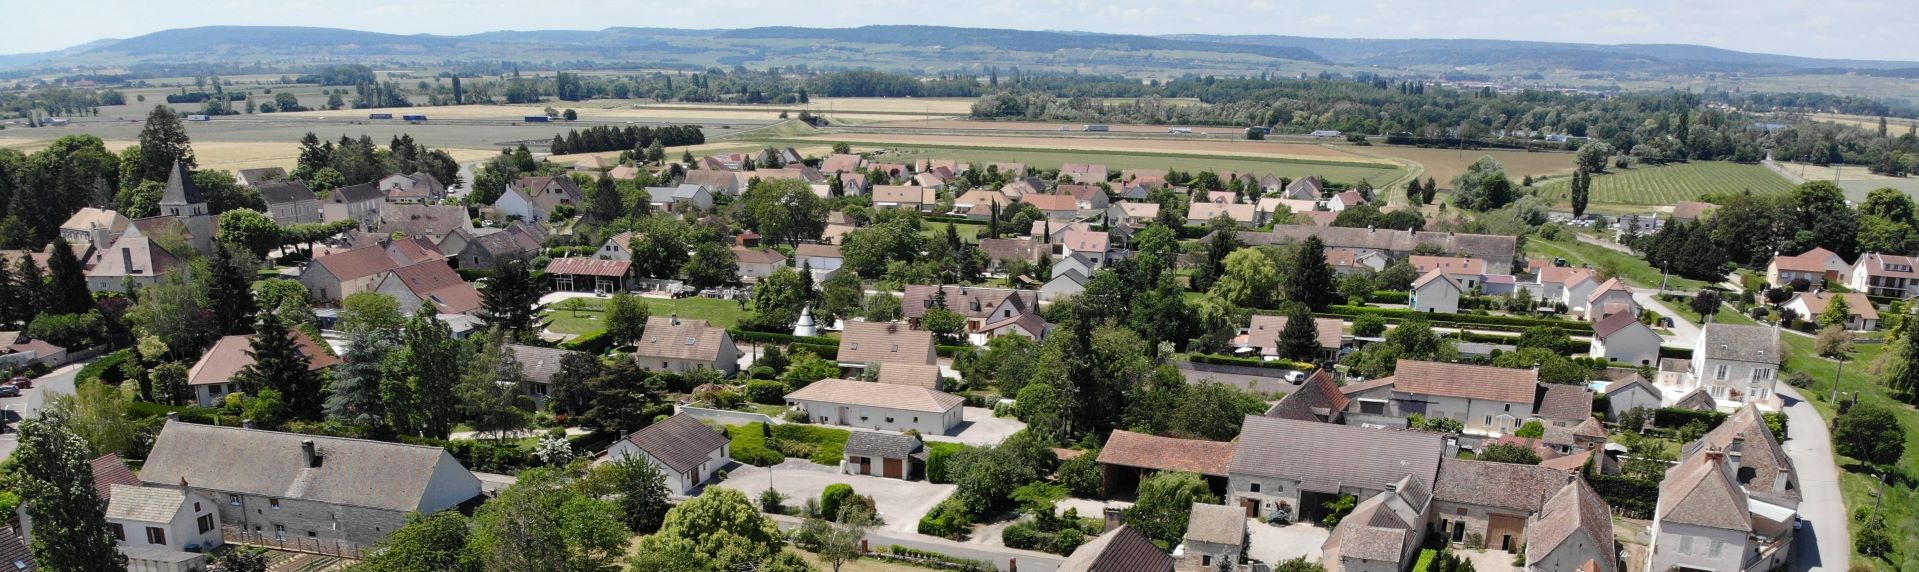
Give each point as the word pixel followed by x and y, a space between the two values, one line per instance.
pixel 9 391
pixel 1295 377
pixel 21 382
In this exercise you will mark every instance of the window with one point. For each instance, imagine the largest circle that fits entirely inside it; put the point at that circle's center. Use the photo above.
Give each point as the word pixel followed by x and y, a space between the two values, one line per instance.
pixel 1489 420
pixel 156 535
pixel 196 506
pixel 206 522
pixel 1685 544
pixel 1713 551
pixel 275 503
pixel 1721 373
pixel 313 534
pixel 1509 408
pixel 119 532
pixel 233 500
pixel 916 419
pixel 1206 560
pixel 1255 487
pixel 889 420
pixel 1372 407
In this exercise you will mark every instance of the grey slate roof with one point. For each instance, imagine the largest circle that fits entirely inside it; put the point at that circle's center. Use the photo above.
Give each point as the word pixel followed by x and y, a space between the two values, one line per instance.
pixel 1700 491
pixel 540 364
pixel 145 504
pixel 1324 456
pixel 881 445
pixel 1740 343
pixel 1762 461
pixel 356 193
pixel 1501 485
pixel 1217 524
pixel 680 441
pixel 1565 402
pixel 283 192
pixel 1577 515
pixel 180 188
pixel 353 472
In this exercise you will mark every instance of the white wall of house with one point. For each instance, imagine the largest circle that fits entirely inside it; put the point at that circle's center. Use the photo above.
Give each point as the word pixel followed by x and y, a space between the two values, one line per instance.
pixel 296 212
pixel 1060 287
pixel 366 212
pixel 820 263
pixel 1733 380
pixel 758 270
pixel 880 418
pixel 325 287
pixel 213 394
pixel 180 532
pixel 1854 321
pixel 451 485
pixel 680 483
pixel 611 251
pixel 1697 547
pixel 1575 295
pixel 1480 416
pixel 1618 404
pixel 1574 552
pixel 728 362
pixel 1271 492
pixel 1436 296
pixel 512 204
pixel 1633 345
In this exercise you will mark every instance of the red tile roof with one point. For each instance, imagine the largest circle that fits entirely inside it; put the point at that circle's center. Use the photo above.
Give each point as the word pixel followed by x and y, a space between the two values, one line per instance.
pixel 588 267
pixel 1466 381
pixel 1129 449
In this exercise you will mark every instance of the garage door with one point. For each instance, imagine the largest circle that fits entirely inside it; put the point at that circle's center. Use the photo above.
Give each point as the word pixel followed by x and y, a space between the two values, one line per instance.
pixel 895 468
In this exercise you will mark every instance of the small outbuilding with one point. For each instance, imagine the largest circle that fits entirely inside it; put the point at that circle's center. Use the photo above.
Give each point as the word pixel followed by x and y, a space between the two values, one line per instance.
pixel 884 455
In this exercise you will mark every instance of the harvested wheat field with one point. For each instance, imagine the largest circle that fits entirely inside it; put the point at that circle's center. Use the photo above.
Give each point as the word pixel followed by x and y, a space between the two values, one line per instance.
pixel 970 125
pixel 1255 149
pixel 235 155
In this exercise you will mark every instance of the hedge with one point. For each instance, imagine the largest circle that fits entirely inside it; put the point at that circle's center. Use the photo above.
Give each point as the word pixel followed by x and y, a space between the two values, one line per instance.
pixel 1218 359
pixel 827 352
pixel 1389 297
pixel 1635 498
pixel 1571 326
pixel 1674 418
pixel 595 343
pixel 106 369
pixel 1674 353
pixel 938 454
pixel 749 445
pixel 813 342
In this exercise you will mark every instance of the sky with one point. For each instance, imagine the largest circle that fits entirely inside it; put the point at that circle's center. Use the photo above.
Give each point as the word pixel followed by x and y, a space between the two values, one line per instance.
pixel 1855 29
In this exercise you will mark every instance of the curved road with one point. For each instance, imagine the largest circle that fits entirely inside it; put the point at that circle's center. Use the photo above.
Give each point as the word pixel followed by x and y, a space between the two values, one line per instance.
pixel 1825 543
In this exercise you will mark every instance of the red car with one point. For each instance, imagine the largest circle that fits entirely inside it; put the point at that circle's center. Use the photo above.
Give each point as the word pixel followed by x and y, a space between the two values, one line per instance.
pixel 21 382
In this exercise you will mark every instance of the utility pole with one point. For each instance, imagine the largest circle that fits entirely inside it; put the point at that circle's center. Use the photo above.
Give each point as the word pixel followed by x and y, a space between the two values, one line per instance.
pixel 1835 381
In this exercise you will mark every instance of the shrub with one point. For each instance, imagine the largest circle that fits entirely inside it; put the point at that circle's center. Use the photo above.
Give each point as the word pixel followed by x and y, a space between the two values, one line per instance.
pixel 766 391
pixel 1083 477
pixel 833 498
pixel 1675 418
pixel 595 343
pixel 749 446
pixel 948 519
pixel 938 456
pixel 829 444
pixel 107 369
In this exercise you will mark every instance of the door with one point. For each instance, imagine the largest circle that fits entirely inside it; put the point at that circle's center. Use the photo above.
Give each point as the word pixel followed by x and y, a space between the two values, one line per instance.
pixel 843 415
pixel 894 468
pixel 866 465
pixel 1251 506
pixel 1459 531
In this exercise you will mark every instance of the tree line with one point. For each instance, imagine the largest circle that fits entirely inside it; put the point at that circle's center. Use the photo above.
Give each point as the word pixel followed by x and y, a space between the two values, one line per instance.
pixel 615 138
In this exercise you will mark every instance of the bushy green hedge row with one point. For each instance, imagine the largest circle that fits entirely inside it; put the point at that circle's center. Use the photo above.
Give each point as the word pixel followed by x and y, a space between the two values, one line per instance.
pixel 947 520
pixel 749 445
pixel 938 454
pixel 1392 314
pixel 1635 498
pixel 1218 359
pixel 778 338
pixel 595 343
pixel 827 352
pixel 106 369
pixel 1389 297
pixel 1674 418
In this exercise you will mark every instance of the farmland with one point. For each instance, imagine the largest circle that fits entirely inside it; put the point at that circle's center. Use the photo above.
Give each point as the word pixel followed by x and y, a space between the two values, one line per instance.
pixel 1442 165
pixel 1639 189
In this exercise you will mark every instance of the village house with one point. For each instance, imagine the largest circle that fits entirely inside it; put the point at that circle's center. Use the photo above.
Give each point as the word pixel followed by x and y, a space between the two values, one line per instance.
pixel 132 261
pixel 212 378
pixel 1383 532
pixel 824 259
pixel 361 203
pixel 419 187
pixel 1053 206
pixel 1084 173
pixel 1131 213
pixel 899 197
pixel 724 183
pixel 680 198
pixel 331 278
pixel 290 202
pixel 1130 458
pixel 96 227
pixel 285 486
pixel 616 247
pixel 1488 400
pixel 1348 261
pixel 841 163
pixel 1736 365
pixel 980 306
pixel 1730 505
pixel 1610 297
pixel 1482 502
pixel 1198 214
pixel 886 455
pixel 159 525
pixel 1261 336
pixel 539 366
pixel 1816 267
pixel 1000 251
pixel 679 346
pixel 872 345
pixel 601 276
pixel 1297 466
pixel 1861 315
pixel 1629 393
pixel 487 248
pixel 1119 549
pixel 431 282
pixel 1621 337
pixel 1571 287
pixel 1436 292
pixel 1345 200
pixel 1572 531
pixel 1089 198
pixel 432 222
pixel 259 176
pixel 757 263
pixel 1215 538
pixel 686 450
pixel 878 406
pixel 1497 250
pixel 1305 189
pixel 914 374
pixel 1886 275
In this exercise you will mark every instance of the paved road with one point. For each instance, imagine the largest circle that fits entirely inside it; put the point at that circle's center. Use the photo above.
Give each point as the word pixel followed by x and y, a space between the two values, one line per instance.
pixel 31 401
pixel 1824 543
pixel 1001 557
pixel 1684 334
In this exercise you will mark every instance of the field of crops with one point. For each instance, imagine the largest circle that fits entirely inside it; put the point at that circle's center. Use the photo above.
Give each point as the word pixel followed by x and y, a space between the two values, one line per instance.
pixel 1634 190
pixel 1378 174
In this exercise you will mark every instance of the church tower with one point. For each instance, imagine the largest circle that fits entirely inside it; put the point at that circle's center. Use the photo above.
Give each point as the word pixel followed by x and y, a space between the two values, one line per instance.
pixel 183 201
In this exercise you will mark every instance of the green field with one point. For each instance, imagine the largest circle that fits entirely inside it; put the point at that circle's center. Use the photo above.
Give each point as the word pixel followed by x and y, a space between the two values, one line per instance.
pixel 1632 269
pixel 722 313
pixel 1635 190
pixel 1335 171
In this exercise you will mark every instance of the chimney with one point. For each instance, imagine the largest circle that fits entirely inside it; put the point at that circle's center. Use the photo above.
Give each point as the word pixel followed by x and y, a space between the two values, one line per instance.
pixel 1392 487
pixel 1779 482
pixel 126 259
pixel 173 417
pixel 1715 455
pixel 97 234
pixel 1112 517
pixel 311 455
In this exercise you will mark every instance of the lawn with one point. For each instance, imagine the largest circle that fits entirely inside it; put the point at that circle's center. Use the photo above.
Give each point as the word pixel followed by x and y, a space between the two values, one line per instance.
pixel 1639 189
pixel 1900 505
pixel 1378 174
pixel 969 232
pixel 722 313
pixel 1634 270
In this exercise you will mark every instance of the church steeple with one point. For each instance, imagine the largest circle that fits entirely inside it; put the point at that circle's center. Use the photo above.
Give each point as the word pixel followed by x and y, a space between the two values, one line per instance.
pixel 181 190
pixel 184 202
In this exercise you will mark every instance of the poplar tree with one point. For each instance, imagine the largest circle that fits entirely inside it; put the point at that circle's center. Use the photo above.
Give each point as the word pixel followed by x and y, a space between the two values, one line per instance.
pixel 70 532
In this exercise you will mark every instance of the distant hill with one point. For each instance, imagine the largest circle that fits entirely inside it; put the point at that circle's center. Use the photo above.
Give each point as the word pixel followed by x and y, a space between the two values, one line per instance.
pixel 921 48
pixel 1520 54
